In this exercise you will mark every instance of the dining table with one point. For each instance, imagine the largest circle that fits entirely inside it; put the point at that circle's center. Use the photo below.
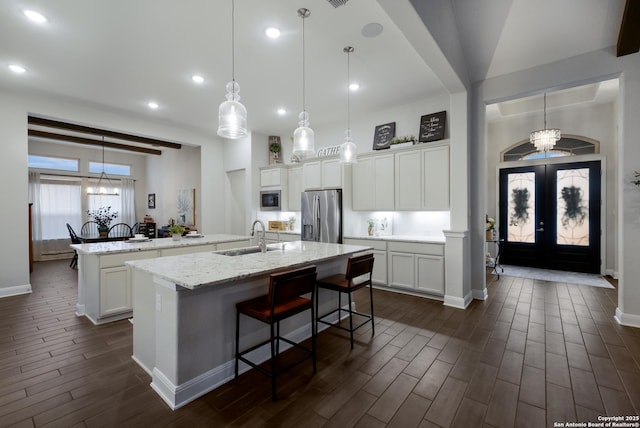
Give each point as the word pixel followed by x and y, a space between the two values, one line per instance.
pixel 94 237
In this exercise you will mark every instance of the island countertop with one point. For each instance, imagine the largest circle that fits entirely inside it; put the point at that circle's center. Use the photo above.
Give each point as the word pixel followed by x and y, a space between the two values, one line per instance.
pixel 113 247
pixel 209 268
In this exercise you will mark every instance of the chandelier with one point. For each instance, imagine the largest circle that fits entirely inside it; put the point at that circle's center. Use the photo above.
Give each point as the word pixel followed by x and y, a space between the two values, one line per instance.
pixel 100 190
pixel 348 149
pixel 544 139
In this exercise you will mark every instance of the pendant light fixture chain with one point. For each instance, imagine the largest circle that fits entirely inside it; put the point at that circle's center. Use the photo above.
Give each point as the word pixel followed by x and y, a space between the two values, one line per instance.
pixel 303 13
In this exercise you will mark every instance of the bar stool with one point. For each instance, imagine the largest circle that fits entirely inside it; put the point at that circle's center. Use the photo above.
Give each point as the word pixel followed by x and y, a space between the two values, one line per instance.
pixel 358 275
pixel 283 301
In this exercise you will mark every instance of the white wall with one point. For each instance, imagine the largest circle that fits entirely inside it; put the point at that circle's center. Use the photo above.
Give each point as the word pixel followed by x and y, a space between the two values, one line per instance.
pixel 14 110
pixel 597 122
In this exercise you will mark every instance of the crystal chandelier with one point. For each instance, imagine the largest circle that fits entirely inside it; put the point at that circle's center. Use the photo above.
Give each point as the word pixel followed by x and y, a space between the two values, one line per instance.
pixel 303 136
pixel 232 115
pixel 348 149
pixel 545 139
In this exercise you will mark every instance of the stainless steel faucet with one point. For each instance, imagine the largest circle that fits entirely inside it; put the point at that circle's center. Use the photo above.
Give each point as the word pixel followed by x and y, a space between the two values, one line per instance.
pixel 262 243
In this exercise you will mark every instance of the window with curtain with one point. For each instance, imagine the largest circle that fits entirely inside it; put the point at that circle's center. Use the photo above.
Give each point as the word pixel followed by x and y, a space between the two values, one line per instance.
pixel 60 203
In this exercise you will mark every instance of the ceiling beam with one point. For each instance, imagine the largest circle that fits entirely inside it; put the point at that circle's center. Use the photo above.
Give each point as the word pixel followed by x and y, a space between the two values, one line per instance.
pixel 101 132
pixel 91 142
pixel 629 36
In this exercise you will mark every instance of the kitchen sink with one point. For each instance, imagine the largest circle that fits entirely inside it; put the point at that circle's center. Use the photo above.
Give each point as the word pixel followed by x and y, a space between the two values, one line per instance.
pixel 242 251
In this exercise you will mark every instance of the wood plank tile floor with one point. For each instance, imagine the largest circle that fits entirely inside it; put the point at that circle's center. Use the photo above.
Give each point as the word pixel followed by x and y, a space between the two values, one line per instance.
pixel 534 353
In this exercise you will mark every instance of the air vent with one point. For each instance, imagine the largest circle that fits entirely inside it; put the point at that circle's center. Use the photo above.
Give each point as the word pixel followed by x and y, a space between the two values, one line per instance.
pixel 337 3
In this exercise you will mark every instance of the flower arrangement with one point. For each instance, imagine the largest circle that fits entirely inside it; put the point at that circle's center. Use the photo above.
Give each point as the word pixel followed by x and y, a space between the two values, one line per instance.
pixel 405 139
pixel 103 216
pixel 637 178
pixel 490 223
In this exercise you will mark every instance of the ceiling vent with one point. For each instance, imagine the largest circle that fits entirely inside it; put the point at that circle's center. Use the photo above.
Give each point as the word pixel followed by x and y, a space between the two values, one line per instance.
pixel 337 3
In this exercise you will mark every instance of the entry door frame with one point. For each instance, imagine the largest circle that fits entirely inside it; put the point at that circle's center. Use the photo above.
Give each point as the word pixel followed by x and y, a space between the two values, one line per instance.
pixel 566 160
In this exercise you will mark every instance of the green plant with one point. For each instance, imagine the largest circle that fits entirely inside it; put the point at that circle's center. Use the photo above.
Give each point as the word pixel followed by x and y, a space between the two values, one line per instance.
pixel 176 229
pixel 372 222
pixel 103 216
pixel 274 148
pixel 405 139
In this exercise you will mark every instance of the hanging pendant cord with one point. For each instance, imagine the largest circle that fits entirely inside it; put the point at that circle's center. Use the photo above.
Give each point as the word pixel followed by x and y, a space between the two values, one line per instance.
pixel 545 110
pixel 348 90
pixel 303 68
pixel 233 44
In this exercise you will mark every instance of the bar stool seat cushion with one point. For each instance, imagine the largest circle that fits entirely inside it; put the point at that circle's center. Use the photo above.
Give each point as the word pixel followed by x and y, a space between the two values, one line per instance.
pixel 260 308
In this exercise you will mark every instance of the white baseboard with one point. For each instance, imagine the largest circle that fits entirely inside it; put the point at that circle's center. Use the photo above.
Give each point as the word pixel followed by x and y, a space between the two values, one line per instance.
pixel 612 273
pixel 458 302
pixel 480 294
pixel 80 311
pixel 629 320
pixel 15 290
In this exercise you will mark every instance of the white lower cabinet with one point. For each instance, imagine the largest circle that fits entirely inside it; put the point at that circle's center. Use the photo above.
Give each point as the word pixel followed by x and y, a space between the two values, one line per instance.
pixel 115 291
pixel 417 266
pixel 379 274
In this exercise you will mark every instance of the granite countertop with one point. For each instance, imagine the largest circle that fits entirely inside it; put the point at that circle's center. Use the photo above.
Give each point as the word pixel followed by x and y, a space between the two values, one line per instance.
pixel 209 268
pixel 404 238
pixel 113 247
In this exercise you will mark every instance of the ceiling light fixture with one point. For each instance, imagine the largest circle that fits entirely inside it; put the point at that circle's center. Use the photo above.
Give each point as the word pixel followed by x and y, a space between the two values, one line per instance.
pixel 232 115
pixel 348 149
pixel 282 111
pixel 354 86
pixel 545 139
pixel 197 79
pixel 153 105
pixel 101 191
pixel 272 32
pixel 18 69
pixel 35 16
pixel 303 136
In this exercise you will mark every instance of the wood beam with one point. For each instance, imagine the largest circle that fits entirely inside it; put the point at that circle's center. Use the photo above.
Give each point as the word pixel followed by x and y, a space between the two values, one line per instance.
pixel 101 132
pixel 91 142
pixel 629 36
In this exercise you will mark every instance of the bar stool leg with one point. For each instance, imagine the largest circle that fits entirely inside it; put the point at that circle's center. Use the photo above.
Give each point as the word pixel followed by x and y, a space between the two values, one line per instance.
pixel 350 320
pixel 273 366
pixel 313 338
pixel 237 339
pixel 373 324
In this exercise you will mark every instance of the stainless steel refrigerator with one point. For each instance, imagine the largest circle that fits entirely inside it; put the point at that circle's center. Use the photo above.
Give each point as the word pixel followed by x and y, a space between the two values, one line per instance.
pixel 322 216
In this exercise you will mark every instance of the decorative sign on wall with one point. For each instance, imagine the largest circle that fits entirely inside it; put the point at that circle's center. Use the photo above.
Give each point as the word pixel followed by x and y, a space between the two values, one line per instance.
pixel 383 135
pixel 151 201
pixel 328 151
pixel 275 150
pixel 432 127
pixel 186 207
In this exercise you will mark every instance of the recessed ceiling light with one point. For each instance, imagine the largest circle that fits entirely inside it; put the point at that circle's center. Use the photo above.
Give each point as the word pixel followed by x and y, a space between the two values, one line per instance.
pixel 282 111
pixel 354 86
pixel 35 16
pixel 197 79
pixel 372 29
pixel 272 32
pixel 152 105
pixel 17 68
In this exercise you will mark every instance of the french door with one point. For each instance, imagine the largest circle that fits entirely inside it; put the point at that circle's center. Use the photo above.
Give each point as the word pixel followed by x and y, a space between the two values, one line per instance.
pixel 550 216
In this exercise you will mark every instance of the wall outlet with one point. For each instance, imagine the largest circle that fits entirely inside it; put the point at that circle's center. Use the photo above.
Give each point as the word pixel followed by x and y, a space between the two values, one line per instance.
pixel 158 303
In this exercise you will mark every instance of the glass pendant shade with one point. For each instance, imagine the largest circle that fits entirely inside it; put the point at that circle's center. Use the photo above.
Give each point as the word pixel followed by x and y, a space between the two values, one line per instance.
pixel 303 138
pixel 348 149
pixel 232 115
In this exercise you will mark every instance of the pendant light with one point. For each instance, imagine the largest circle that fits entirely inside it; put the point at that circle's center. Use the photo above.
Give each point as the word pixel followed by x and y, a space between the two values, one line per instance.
pixel 232 115
pixel 348 154
pixel 544 139
pixel 101 191
pixel 303 136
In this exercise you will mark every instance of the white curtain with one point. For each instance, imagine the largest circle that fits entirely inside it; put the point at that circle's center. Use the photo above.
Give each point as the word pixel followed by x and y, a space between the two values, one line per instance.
pixel 128 202
pixel 36 213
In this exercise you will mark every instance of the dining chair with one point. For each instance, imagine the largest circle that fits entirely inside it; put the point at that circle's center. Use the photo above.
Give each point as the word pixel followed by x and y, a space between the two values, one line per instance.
pixel 120 230
pixel 287 297
pixel 89 228
pixel 74 240
pixel 357 276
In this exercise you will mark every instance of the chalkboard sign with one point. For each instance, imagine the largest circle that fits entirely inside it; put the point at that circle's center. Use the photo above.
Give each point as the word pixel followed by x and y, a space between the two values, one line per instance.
pixel 383 135
pixel 432 127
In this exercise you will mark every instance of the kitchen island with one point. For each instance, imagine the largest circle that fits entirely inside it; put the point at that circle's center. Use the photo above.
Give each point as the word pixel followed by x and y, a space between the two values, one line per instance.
pixel 104 283
pixel 183 333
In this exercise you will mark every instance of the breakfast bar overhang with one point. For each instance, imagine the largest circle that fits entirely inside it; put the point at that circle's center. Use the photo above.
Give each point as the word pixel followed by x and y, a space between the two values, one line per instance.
pixel 184 311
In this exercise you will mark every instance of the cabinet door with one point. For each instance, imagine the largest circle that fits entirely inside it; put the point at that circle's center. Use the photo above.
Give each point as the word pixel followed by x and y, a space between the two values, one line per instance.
pixel 331 174
pixel 384 183
pixel 295 188
pixel 363 185
pixel 379 274
pixel 408 179
pixel 115 291
pixel 430 273
pixel 435 181
pixel 270 177
pixel 312 175
pixel 401 270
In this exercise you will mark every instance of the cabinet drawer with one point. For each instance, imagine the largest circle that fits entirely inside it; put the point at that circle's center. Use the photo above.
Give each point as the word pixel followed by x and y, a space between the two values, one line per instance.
pixel 375 243
pixel 190 249
pixel 113 260
pixel 417 248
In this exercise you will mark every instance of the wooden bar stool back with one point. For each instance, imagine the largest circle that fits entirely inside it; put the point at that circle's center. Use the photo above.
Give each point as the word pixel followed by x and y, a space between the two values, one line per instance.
pixel 358 275
pixel 286 298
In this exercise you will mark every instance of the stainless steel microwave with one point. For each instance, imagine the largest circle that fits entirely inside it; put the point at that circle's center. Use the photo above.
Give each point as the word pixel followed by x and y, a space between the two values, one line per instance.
pixel 270 200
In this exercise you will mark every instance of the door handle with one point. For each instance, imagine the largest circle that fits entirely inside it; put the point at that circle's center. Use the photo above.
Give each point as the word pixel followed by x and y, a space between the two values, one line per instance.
pixel 540 230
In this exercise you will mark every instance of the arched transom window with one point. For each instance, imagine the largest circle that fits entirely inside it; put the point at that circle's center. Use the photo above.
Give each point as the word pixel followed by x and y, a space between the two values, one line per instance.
pixel 568 145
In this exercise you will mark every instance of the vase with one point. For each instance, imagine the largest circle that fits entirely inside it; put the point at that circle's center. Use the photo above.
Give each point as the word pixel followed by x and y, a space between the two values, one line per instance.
pixel 176 236
pixel 489 236
pixel 370 230
pixel 103 231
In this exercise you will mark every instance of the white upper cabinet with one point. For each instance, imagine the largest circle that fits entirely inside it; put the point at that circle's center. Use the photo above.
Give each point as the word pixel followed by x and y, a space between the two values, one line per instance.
pixel 312 175
pixel 373 183
pixel 295 188
pixel 272 177
pixel 408 181
pixel 435 179
pixel 322 174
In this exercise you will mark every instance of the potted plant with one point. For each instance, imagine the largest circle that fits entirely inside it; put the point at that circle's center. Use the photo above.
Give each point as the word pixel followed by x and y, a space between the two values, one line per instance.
pixel 176 231
pixel 292 222
pixel 275 149
pixel 407 140
pixel 103 216
pixel 490 228
pixel 371 226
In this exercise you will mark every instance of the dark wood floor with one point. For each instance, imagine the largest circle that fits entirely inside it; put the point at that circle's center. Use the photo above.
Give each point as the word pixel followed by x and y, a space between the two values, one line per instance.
pixel 532 354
